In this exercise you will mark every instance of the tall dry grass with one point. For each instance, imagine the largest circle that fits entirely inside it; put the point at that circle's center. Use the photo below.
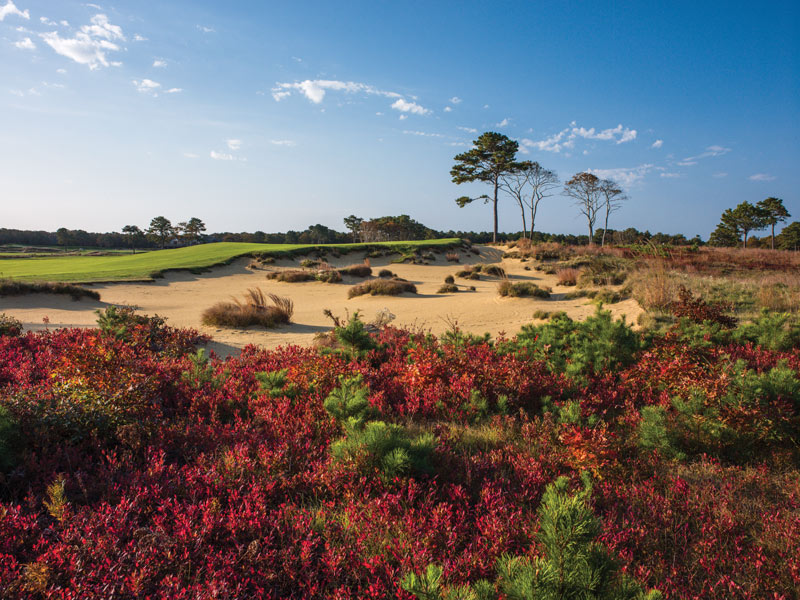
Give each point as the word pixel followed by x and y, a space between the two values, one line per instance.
pixel 568 276
pixel 653 286
pixel 256 308
pixel 382 287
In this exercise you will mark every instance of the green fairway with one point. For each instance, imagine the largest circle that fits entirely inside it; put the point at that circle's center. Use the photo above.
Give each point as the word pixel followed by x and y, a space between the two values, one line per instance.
pixel 144 266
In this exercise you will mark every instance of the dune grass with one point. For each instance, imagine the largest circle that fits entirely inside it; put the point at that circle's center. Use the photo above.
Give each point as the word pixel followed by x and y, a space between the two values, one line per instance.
pixel 382 287
pixel 12 287
pixel 152 264
pixel 252 310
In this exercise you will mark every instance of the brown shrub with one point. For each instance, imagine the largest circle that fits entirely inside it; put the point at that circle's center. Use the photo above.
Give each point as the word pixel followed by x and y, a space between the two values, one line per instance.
pixel 253 310
pixel 568 276
pixel 292 275
pixel 654 288
pixel 382 287
pixel 521 289
pixel 447 288
pixel 452 257
pixel 329 276
pixel 360 270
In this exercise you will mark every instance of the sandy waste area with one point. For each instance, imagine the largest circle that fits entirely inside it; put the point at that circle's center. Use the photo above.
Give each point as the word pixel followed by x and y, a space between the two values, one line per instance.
pixel 182 298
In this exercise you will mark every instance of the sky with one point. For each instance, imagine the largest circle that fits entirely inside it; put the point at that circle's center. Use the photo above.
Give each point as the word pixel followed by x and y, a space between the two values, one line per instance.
pixel 278 115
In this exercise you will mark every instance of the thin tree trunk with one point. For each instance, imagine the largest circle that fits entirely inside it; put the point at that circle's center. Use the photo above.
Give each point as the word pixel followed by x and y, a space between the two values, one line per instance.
pixel 494 235
pixel 524 224
pixel 533 217
pixel 605 226
pixel 773 236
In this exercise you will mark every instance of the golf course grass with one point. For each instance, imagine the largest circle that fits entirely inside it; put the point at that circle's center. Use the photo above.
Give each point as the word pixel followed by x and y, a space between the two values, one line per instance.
pixel 88 269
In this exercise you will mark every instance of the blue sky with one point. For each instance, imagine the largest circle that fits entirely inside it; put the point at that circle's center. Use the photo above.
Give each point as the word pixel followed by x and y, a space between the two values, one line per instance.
pixel 274 116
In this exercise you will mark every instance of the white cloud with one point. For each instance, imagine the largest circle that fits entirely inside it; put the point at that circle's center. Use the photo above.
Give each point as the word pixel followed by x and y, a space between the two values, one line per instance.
pixel 173 90
pixel 90 45
pixel 11 9
pixel 234 144
pixel 553 143
pixel 719 175
pixel 670 175
pixel 448 109
pixel 146 86
pixel 94 6
pixel 26 44
pixel 221 156
pixel 158 63
pixel 46 21
pixel 315 89
pixel 503 123
pixel 297 59
pixel 468 129
pixel 657 144
pixel 423 133
pixel 409 107
pixel 687 163
pixel 485 106
pixel 711 151
pixel 403 117
pixel 619 134
pixel 625 176
pixel 205 29
pixel 61 71
pixel 455 100
pixel 64 23
pixel 287 143
pixel 139 38
pixel 761 177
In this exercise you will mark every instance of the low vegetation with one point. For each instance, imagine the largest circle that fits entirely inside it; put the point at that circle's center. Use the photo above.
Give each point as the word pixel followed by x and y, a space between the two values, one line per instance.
pixel 522 289
pixel 382 287
pixel 575 459
pixel 12 287
pixel 447 288
pixel 256 308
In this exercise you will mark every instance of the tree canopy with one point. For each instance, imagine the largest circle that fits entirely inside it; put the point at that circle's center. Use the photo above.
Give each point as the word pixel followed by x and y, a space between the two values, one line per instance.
pixel 491 156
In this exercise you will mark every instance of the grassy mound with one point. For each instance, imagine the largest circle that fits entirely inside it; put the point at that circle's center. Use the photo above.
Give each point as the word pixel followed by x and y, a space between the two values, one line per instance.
pixel 292 275
pixel 522 289
pixel 359 270
pixel 253 310
pixel 447 288
pixel 11 287
pixel 382 287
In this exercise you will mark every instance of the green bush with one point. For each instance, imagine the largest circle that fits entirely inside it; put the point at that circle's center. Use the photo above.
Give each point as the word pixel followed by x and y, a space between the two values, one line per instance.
pixel 580 348
pixel 447 288
pixel 522 289
pixel 573 565
pixel 776 331
pixel 449 279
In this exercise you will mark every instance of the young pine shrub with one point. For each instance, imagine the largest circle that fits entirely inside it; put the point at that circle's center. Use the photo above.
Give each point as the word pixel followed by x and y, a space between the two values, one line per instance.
pixel 384 273
pixel 449 279
pixel 382 287
pixel 253 310
pixel 573 565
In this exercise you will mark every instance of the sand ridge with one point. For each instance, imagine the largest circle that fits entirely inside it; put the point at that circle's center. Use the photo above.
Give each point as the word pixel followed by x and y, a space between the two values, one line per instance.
pixel 182 297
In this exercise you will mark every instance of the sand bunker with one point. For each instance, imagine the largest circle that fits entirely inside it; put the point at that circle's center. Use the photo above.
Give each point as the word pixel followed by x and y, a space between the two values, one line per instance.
pixel 182 297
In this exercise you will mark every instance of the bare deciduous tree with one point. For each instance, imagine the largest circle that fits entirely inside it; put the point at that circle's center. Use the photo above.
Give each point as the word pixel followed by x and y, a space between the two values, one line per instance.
pixel 584 188
pixel 613 197
pixel 528 185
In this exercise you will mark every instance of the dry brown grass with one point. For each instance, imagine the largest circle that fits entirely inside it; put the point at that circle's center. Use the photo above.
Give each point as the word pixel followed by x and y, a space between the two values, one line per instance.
pixel 447 288
pixel 452 257
pixel 568 276
pixel 653 287
pixel 521 290
pixel 254 309
pixel 292 275
pixel 382 287
pixel 360 270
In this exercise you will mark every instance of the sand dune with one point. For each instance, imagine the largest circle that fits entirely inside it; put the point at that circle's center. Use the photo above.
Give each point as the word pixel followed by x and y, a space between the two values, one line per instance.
pixel 182 297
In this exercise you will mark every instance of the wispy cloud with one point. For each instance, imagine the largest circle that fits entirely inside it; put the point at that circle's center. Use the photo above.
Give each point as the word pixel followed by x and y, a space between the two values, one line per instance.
pixel 503 123
pixel 234 144
pixel 11 9
pixel 205 29
pixel 90 45
pixel 468 129
pixel 670 175
pixel 448 109
pixel 174 90
pixel 159 63
pixel 761 177
pixel 657 144
pixel 315 89
pixel 139 38
pixel 288 143
pixel 455 100
pixel 26 44
pixel 626 176
pixel 410 107
pixel 221 156
pixel 146 86
pixel 719 175
pixel 191 155
pixel 711 151
pixel 618 134
pixel 422 133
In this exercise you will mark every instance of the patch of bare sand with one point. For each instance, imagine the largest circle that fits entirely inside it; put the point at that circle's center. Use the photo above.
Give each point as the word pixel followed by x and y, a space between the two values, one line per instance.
pixel 182 298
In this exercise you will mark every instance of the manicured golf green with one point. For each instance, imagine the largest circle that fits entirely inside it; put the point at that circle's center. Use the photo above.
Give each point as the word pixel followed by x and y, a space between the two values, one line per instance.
pixel 88 269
